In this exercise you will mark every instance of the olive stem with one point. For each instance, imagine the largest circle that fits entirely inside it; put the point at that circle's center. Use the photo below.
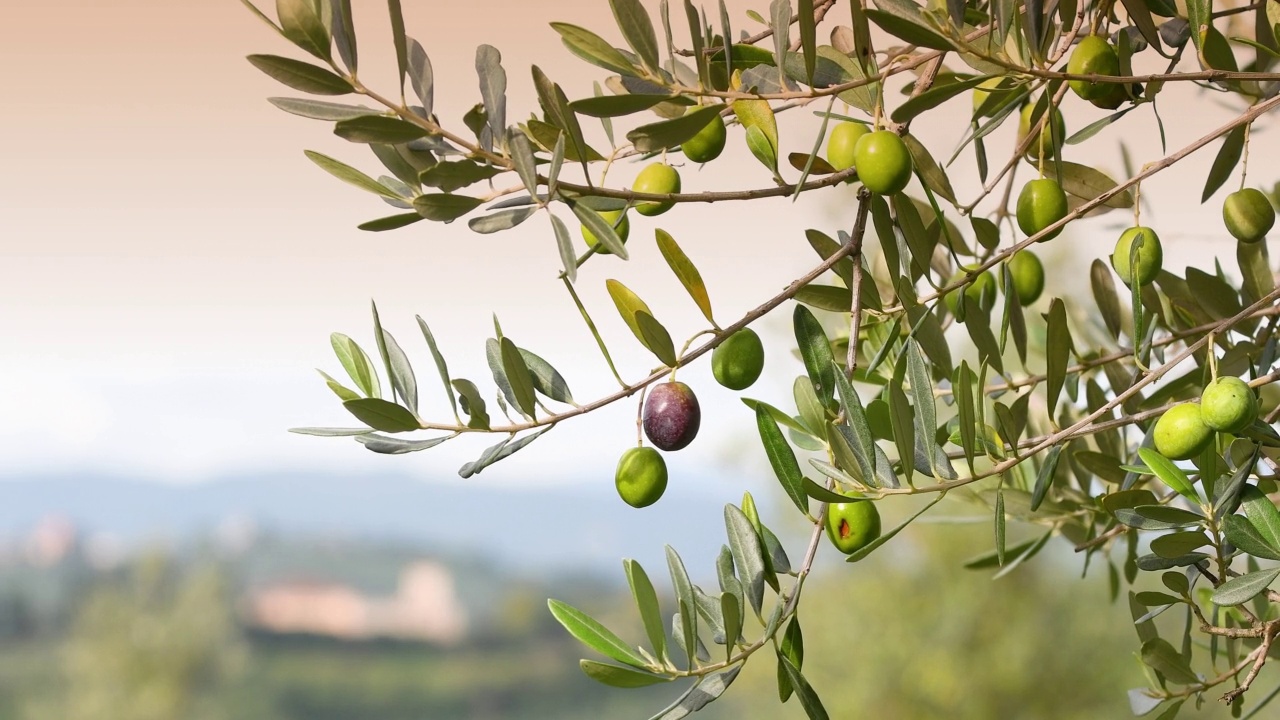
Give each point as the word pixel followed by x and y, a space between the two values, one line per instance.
pixel 1244 161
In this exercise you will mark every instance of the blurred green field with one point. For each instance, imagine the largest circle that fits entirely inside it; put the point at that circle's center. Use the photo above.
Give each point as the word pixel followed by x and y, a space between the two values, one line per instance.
pixel 908 633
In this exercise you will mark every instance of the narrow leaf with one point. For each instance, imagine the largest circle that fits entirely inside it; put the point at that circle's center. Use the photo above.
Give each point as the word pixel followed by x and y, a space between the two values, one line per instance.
pixel 782 459
pixel 591 633
pixel 301 76
pixel 686 272
pixel 744 543
pixel 382 415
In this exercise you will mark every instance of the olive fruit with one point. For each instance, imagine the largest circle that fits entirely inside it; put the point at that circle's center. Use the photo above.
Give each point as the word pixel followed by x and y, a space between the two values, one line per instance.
pixel 1228 405
pixel 1150 256
pixel 1027 274
pixel 707 144
pixel 852 525
pixel 658 179
pixel 1116 96
pixel 982 92
pixel 671 416
pixel 641 477
pixel 1041 204
pixel 883 162
pixel 1093 56
pixel 737 362
pixel 1180 432
pixel 1039 145
pixel 982 291
pixel 621 226
pixel 1248 215
pixel 840 146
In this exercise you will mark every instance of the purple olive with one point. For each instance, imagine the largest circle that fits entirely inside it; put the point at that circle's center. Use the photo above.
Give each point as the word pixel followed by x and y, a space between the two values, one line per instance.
pixel 671 416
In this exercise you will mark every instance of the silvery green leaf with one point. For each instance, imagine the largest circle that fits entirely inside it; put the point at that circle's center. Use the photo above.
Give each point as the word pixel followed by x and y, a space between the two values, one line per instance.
pixel 501 220
pixel 396 446
pixel 493 88
pixel 320 109
pixel 421 76
pixel 301 76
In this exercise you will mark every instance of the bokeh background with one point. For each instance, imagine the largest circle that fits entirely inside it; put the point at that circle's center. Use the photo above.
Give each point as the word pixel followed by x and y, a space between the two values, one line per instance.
pixel 170 269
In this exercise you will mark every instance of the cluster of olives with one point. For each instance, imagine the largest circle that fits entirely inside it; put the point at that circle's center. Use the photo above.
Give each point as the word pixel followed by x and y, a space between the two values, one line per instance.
pixel 672 416
pixel 1184 431
pixel 880 157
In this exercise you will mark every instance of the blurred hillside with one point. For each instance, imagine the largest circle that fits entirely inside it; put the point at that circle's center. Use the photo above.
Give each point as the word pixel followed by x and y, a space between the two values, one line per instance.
pixel 169 631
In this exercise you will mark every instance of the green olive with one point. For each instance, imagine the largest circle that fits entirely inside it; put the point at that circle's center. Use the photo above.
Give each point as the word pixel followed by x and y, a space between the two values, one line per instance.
pixel 1228 405
pixel 852 525
pixel 982 291
pixel 657 179
pixel 1040 144
pixel 1093 56
pixel 641 477
pixel 621 226
pixel 840 147
pixel 1041 204
pixel 982 92
pixel 883 162
pixel 708 143
pixel 1150 256
pixel 1027 274
pixel 737 362
pixel 1248 215
pixel 1180 433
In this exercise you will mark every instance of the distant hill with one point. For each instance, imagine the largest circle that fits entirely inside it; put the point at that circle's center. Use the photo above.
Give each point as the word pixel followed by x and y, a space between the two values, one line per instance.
pixel 579 528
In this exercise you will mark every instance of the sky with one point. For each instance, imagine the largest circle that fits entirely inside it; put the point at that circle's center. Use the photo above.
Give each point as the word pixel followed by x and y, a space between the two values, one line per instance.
pixel 171 265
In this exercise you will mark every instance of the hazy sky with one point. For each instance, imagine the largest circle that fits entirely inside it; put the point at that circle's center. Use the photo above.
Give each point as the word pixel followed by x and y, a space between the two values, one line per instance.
pixel 171 265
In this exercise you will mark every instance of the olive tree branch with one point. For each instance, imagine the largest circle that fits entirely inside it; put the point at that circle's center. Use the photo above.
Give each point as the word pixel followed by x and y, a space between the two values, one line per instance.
pixel 695 353
pixel 1248 116
pixel 792 599
pixel 1057 437
pixel 1119 355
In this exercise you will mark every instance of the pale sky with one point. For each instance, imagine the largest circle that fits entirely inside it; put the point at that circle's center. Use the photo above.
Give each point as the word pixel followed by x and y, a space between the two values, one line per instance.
pixel 171 265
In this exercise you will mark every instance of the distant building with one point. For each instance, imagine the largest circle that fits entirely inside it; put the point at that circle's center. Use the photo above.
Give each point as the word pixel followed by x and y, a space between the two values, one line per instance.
pixel 54 538
pixel 425 607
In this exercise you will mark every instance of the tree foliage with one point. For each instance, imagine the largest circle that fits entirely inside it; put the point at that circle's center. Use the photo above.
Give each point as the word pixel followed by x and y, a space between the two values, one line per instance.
pixel 1053 420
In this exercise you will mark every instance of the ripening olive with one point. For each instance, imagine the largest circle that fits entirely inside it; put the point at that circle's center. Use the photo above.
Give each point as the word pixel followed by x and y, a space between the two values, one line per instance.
pixel 671 416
